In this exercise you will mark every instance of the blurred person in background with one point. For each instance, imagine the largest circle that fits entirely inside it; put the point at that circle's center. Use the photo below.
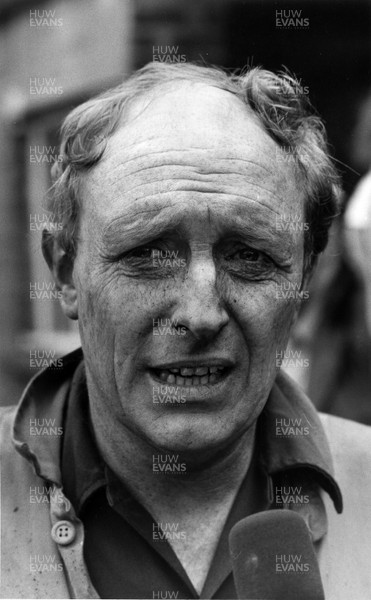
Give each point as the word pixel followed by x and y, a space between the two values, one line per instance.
pixel 357 218
pixel 174 422
pixel 357 221
pixel 333 329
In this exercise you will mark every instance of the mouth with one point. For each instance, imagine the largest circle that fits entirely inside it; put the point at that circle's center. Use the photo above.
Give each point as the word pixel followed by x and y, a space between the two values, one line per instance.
pixel 191 376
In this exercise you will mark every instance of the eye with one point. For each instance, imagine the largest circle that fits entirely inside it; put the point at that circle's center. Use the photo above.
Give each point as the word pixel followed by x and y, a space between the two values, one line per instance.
pixel 247 262
pixel 142 252
pixel 156 259
pixel 248 254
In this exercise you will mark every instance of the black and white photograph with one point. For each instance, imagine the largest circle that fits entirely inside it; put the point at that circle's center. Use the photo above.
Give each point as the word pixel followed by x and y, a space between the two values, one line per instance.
pixel 185 299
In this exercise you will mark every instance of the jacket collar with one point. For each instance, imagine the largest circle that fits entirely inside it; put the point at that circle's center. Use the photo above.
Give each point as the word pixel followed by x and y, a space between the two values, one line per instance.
pixel 293 438
pixel 38 422
pixel 291 433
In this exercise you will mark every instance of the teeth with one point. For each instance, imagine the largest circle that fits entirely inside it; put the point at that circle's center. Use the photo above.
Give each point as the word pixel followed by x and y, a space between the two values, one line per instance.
pixel 186 371
pixel 189 376
pixel 202 371
pixel 198 371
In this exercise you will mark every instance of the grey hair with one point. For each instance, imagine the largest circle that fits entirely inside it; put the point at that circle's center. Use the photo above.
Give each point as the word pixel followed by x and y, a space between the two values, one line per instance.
pixel 277 100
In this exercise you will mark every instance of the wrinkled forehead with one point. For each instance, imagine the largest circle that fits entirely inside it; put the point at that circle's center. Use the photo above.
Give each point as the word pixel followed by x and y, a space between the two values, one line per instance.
pixel 182 134
pixel 185 117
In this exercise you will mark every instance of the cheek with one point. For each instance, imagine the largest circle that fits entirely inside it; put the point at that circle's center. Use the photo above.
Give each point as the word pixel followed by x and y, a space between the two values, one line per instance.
pixel 112 307
pixel 284 313
pixel 262 313
pixel 96 332
pixel 266 326
pixel 265 322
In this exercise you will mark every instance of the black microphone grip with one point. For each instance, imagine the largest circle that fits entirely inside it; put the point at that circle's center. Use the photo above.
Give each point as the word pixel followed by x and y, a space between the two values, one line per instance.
pixel 273 558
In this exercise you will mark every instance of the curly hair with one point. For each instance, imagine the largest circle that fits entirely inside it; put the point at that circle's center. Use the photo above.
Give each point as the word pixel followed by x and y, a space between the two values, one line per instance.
pixel 279 103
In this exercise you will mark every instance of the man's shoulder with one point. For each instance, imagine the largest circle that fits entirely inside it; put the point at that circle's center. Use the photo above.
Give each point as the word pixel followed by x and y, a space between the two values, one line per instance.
pixel 8 452
pixel 7 414
pixel 350 445
pixel 344 552
pixel 347 432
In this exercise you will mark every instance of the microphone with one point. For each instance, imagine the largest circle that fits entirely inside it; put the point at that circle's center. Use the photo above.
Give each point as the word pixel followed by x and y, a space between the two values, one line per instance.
pixel 273 558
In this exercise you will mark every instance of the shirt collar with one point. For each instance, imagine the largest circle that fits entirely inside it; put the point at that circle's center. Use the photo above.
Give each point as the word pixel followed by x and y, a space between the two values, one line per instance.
pixel 293 437
pixel 291 433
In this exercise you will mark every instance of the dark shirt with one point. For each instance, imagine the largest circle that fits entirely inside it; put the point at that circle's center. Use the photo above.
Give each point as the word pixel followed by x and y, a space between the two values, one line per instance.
pixel 124 556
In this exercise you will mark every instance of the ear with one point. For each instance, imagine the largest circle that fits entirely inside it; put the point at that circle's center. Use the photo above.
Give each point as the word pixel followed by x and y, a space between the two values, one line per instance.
pixel 61 268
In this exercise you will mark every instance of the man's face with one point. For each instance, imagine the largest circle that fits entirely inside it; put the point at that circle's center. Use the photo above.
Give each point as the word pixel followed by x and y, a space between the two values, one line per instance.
pixel 178 266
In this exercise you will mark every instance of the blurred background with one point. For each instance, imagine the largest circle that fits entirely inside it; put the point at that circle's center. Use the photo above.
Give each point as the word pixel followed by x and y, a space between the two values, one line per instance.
pixel 56 54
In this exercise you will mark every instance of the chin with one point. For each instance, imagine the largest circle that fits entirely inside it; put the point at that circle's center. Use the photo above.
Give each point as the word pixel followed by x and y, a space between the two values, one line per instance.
pixel 192 440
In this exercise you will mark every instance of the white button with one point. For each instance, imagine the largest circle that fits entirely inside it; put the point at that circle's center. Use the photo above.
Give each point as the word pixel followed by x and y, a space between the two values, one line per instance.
pixel 63 532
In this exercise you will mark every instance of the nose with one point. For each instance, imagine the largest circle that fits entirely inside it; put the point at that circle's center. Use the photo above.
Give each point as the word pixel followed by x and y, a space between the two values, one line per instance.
pixel 200 306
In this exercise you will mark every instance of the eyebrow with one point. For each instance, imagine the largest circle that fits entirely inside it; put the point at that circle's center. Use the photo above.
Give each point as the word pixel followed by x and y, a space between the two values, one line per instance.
pixel 128 231
pixel 138 228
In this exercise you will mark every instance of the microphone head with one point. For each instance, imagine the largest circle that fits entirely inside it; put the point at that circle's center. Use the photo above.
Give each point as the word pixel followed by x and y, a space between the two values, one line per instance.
pixel 273 558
